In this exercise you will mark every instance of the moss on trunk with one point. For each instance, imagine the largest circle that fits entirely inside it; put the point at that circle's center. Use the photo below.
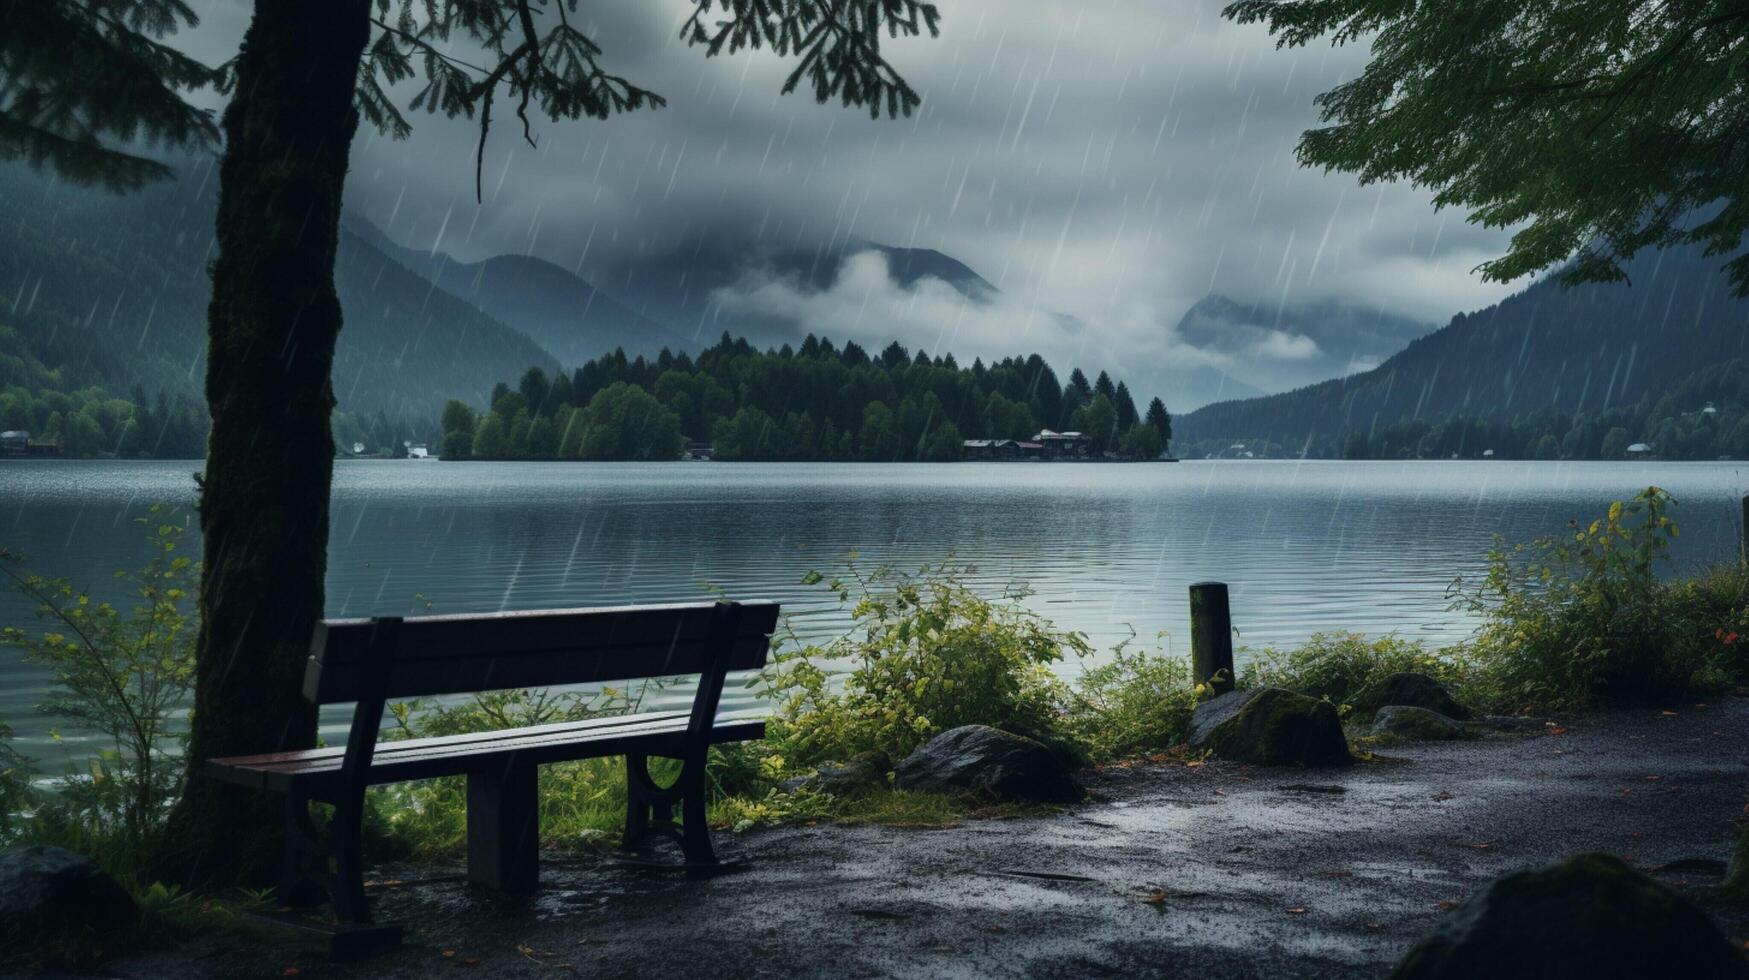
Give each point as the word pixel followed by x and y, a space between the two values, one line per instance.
pixel 272 325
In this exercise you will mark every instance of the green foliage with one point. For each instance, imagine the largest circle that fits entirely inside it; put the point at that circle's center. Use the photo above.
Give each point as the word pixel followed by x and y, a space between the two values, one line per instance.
pixel 925 654
pixel 84 421
pixel 87 77
pixel 1595 127
pixel 820 403
pixel 126 675
pixel 15 790
pixel 542 57
pixel 1574 619
pixel 1137 702
pixel 1337 667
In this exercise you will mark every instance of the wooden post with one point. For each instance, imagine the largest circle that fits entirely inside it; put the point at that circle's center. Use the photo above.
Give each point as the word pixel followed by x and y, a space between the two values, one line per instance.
pixel 1211 637
pixel 504 828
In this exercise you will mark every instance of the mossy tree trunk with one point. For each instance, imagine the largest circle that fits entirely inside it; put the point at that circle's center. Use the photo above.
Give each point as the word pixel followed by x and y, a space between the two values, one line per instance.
pixel 272 325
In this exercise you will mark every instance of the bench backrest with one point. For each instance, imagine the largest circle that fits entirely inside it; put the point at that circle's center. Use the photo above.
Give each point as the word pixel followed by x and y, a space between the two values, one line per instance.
pixel 462 654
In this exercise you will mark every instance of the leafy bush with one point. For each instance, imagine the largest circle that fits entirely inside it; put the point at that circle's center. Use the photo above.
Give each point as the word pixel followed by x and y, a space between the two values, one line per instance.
pixel 15 774
pixel 1571 620
pixel 124 674
pixel 1134 703
pixel 1337 667
pixel 926 654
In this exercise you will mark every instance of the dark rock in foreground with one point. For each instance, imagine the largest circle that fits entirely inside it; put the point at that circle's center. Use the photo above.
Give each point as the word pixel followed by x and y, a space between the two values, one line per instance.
pixel 1418 725
pixel 1589 916
pixel 1412 690
pixel 57 905
pixel 1270 726
pixel 989 762
pixel 865 772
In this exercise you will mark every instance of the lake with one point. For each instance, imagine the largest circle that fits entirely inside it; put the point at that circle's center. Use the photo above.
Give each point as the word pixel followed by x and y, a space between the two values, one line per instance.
pixel 1105 549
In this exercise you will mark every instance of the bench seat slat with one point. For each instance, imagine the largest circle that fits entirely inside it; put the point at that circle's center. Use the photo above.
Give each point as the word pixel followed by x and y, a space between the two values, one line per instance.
pixel 457 754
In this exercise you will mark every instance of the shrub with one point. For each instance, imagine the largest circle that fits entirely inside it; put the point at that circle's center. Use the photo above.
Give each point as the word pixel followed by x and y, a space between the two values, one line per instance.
pixel 15 775
pixel 926 654
pixel 1134 703
pixel 1568 621
pixel 126 675
pixel 1337 667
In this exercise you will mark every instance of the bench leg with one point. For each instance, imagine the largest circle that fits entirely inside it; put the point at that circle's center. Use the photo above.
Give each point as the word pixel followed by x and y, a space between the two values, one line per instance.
pixel 650 809
pixel 695 827
pixel 504 829
pixel 346 835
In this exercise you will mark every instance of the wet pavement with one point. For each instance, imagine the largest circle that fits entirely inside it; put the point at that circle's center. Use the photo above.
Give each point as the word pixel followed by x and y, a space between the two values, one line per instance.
pixel 1170 870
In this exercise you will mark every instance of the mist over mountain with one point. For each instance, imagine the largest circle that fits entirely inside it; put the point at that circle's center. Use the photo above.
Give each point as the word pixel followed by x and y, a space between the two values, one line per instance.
pixel 113 290
pixel 1549 348
pixel 1274 347
pixel 566 315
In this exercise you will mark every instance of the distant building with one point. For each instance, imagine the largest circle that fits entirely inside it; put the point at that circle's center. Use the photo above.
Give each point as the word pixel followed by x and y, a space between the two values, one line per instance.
pixel 1487 454
pixel 358 449
pixel 1640 449
pixel 698 451
pixel 992 449
pixel 418 450
pixel 1064 445
pixel 17 442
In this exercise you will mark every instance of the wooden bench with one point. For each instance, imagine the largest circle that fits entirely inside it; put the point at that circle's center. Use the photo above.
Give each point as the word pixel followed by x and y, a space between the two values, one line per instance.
pixel 369 662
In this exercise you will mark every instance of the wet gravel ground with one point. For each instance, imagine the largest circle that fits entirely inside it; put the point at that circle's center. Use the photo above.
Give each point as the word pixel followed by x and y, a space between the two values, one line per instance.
pixel 1209 871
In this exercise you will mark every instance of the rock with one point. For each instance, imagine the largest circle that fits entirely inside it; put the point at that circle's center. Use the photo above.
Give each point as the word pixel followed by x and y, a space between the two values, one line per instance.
pixel 989 762
pixel 1589 916
pixel 57 905
pixel 1418 725
pixel 865 772
pixel 1270 726
pixel 1413 690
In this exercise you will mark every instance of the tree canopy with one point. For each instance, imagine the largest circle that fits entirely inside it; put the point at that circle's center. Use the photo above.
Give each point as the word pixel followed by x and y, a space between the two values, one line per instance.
pixel 1597 128
pixel 82 82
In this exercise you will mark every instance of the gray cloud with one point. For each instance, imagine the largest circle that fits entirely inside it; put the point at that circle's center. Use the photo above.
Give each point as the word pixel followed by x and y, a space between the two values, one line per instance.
pixel 1115 161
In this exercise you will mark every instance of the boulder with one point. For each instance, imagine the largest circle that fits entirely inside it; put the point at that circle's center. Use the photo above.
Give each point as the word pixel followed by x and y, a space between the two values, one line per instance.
pixel 1418 725
pixel 57 905
pixel 1412 690
pixel 1270 726
pixel 989 762
pixel 865 772
pixel 1589 916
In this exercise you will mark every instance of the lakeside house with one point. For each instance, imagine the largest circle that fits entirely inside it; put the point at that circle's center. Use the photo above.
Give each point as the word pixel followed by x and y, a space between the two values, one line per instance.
pixel 1045 445
pixel 17 442
pixel 418 450
pixel 1064 445
pixel 698 452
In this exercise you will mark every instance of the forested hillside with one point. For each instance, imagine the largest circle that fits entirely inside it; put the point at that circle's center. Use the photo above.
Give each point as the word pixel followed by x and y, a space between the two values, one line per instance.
pixel 112 291
pixel 818 402
pixel 1538 363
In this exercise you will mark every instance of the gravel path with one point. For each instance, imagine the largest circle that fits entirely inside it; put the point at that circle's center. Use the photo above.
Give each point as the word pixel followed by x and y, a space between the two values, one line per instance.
pixel 1209 871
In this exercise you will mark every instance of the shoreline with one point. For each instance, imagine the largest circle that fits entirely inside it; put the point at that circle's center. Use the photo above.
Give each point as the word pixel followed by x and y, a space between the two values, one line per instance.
pixel 1169 869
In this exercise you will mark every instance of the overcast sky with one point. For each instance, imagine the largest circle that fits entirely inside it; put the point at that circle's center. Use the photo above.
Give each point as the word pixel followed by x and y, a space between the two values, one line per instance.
pixel 1115 160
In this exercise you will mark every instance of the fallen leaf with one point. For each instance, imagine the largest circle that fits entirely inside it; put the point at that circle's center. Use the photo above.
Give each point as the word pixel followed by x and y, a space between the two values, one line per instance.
pixel 471 961
pixel 1155 896
pixel 1442 796
pixel 1375 926
pixel 1445 905
pixel 1555 729
pixel 290 971
pixel 1653 779
pixel 1482 845
pixel 1298 910
pixel 449 952
pixel 1669 714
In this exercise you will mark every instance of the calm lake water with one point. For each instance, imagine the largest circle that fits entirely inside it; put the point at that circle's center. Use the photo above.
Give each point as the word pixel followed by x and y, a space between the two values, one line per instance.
pixel 1105 549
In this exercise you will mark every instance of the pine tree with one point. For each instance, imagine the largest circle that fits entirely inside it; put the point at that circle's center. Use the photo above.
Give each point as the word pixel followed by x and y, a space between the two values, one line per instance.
pixel 80 79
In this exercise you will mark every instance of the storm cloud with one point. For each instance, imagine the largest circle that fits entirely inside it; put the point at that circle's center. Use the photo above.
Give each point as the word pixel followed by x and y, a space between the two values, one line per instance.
pixel 1115 161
